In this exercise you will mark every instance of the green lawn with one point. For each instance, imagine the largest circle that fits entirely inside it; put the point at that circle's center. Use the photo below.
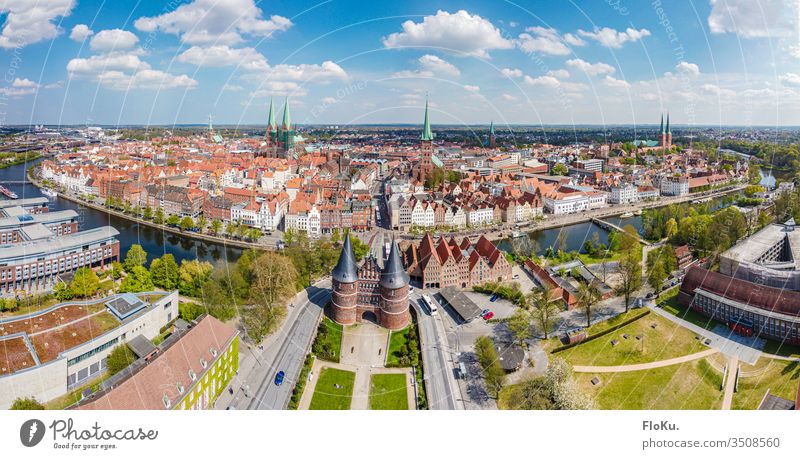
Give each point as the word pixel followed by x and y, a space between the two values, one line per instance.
pixel 398 339
pixel 779 376
pixel 328 345
pixel 669 303
pixel 334 390
pixel 388 392
pixel 668 340
pixel 689 386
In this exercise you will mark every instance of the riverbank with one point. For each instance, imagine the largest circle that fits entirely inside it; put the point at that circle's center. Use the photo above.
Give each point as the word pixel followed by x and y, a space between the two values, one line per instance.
pixel 19 161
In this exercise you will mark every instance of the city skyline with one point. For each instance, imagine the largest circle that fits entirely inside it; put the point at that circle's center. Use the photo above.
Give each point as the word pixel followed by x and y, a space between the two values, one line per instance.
pixel 355 63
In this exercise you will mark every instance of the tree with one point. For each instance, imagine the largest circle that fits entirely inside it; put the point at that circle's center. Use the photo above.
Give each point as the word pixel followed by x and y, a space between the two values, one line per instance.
pixel 187 223
pixel 158 219
pixel 656 276
pixel 274 278
pixel 201 223
pixel 216 226
pixel 671 228
pixel 116 270
pixel 560 169
pixel 173 220
pixel 148 213
pixel 192 275
pixel 136 257
pixel 85 282
pixel 230 228
pixel 629 269
pixel 289 236
pixel 119 359
pixel 164 272
pixel 544 310
pixel 588 295
pixel 137 280
pixel 360 249
pixel 519 325
pixel 336 236
pixel 27 403
pixel 63 292
pixel 493 374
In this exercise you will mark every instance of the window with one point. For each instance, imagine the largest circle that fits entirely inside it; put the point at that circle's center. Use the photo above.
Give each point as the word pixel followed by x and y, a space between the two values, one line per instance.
pixel 167 403
pixel 192 375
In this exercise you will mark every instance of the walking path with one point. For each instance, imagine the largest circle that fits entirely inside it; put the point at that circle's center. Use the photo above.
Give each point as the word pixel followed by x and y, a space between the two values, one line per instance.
pixel 730 383
pixel 644 366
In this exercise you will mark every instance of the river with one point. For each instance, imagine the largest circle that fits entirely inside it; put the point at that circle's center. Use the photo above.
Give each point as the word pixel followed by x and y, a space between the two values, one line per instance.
pixel 155 242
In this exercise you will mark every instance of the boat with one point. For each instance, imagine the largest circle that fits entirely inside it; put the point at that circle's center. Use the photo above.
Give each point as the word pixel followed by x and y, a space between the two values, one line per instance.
pixel 638 212
pixel 627 215
pixel 517 234
pixel 5 191
pixel 49 193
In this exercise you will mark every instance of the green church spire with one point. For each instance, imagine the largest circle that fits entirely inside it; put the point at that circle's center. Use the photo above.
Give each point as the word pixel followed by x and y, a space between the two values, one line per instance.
pixel 491 128
pixel 427 134
pixel 668 131
pixel 287 118
pixel 271 124
pixel 661 130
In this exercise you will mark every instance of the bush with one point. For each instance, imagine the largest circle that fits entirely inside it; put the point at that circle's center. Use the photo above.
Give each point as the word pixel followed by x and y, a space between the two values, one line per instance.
pixel 119 359
pixel 27 403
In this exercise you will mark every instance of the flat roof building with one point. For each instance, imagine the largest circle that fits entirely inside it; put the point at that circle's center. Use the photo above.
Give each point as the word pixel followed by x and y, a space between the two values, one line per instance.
pixel 770 257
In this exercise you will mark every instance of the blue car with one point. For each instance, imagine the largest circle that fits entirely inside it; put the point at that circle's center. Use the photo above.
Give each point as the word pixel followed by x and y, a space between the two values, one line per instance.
pixel 279 378
pixel 493 298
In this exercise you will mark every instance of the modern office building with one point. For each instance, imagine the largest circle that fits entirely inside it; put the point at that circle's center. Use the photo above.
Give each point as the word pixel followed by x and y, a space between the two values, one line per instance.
pixel 19 225
pixel 188 371
pixel 35 264
pixel 770 257
pixel 51 352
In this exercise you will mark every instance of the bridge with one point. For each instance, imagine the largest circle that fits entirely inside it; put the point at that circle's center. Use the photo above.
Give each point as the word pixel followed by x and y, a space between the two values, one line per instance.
pixel 612 227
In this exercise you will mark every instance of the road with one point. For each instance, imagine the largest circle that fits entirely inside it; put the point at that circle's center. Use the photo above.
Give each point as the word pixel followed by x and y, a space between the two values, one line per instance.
pixel 437 361
pixel 285 350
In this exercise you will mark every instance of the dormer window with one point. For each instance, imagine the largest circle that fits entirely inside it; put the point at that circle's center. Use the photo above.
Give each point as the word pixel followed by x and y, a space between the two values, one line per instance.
pixel 213 352
pixel 203 363
pixel 167 403
pixel 192 375
pixel 180 388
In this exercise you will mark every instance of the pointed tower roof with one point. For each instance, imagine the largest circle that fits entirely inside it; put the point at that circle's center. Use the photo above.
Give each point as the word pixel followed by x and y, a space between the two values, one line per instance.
pixel 661 129
pixel 668 131
pixel 394 275
pixel 427 134
pixel 491 128
pixel 272 125
pixel 287 118
pixel 346 271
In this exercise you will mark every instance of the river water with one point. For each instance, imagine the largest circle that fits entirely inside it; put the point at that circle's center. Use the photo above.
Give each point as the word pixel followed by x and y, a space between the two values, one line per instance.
pixel 154 241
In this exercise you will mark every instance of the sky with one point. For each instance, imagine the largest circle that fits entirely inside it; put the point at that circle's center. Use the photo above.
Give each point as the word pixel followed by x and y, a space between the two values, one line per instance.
pixel 600 62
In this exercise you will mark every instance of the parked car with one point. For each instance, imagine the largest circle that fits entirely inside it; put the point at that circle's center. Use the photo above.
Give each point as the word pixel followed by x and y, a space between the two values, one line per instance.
pixel 279 378
pixel 493 298
pixel 488 315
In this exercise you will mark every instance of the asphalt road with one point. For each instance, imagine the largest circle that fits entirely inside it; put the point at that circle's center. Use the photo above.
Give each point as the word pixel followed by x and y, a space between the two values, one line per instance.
pixel 438 365
pixel 286 354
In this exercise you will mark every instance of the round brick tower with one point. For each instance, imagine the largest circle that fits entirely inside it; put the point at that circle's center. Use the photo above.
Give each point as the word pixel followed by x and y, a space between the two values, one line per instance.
pixel 394 292
pixel 345 286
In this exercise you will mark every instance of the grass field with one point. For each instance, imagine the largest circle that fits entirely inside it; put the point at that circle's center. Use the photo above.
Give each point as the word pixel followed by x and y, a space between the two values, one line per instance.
pixel 666 341
pixel 398 339
pixel 780 377
pixel 692 385
pixel 388 392
pixel 670 305
pixel 334 390
pixel 330 340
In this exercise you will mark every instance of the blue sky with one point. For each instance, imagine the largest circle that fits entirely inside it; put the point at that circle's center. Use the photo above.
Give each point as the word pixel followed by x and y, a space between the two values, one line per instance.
pixel 707 62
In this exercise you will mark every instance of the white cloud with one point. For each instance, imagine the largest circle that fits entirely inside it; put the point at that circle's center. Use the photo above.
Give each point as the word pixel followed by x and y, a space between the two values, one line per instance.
pixel 511 73
pixel 123 71
pixel 472 88
pixel 545 80
pixel 279 88
pixel 755 19
pixel 574 40
pixel 215 22
pixel 509 98
pixel 430 66
pixel 113 40
pixel 438 65
pixel 80 33
pixel 29 21
pixel 790 79
pixel 458 32
pixel 543 40
pixel 611 38
pixel 597 68
pixel 231 87
pixel 561 73
pixel 688 68
pixel 223 56
pixel 615 83
pixel 324 73
pixel 328 100
pixel 715 90
pixel 20 87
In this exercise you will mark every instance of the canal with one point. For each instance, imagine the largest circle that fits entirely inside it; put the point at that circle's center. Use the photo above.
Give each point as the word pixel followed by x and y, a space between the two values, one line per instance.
pixel 154 241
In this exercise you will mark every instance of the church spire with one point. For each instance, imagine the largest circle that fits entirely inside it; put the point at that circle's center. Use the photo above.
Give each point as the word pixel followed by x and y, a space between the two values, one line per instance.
pixel 427 134
pixel 668 131
pixel 287 118
pixel 272 126
pixel 491 128
pixel 661 129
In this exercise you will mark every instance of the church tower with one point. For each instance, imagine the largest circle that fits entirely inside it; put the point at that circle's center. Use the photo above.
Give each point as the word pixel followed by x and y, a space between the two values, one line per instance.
pixel 425 165
pixel 492 141
pixel 669 134
pixel 286 132
pixel 665 136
